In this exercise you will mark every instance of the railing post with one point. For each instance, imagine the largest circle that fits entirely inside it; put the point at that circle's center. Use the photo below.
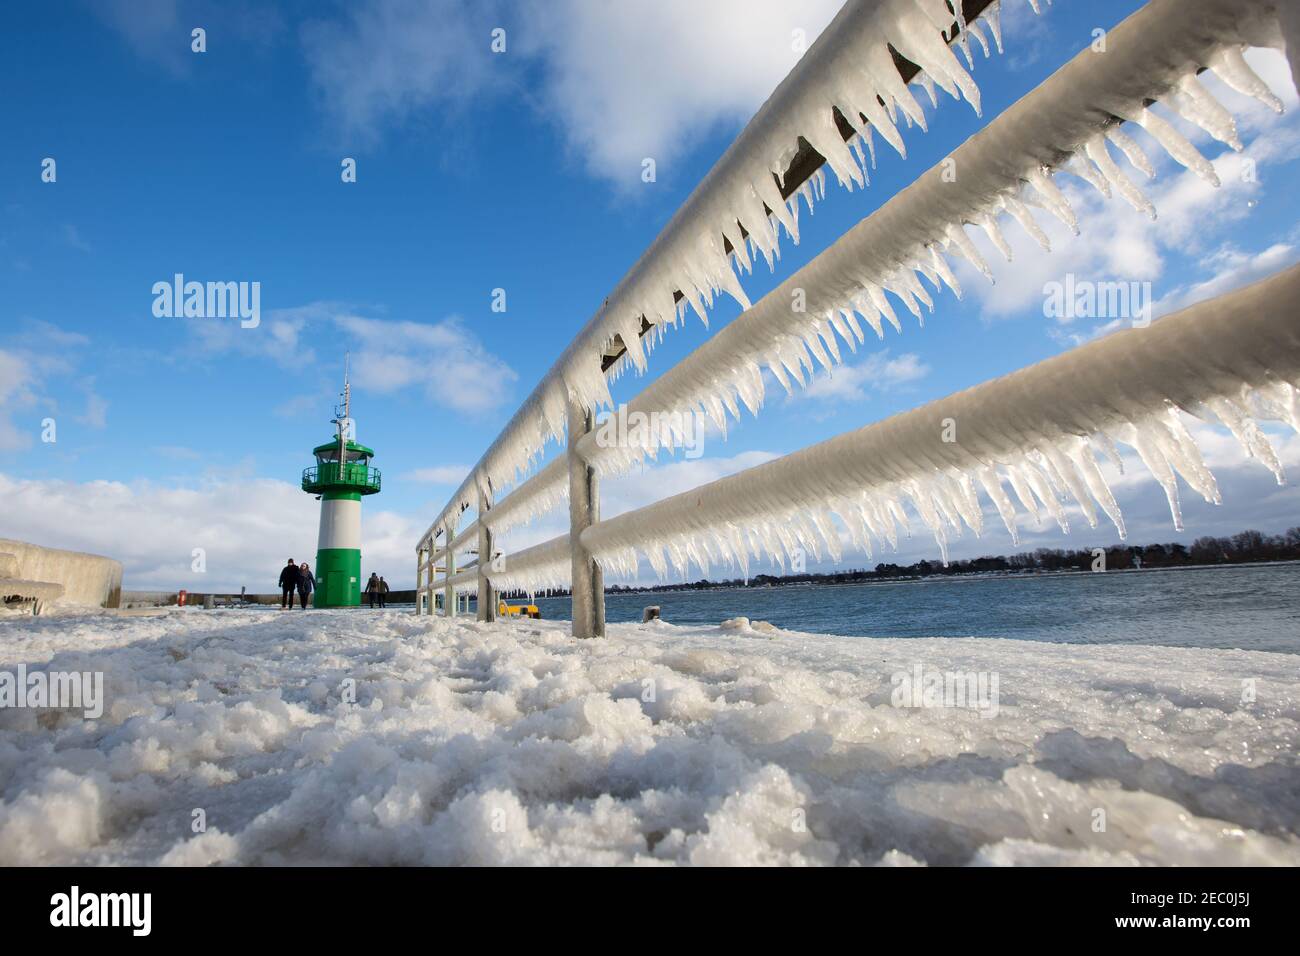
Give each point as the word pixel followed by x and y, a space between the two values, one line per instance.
pixel 419 578
pixel 487 602
pixel 588 589
pixel 448 592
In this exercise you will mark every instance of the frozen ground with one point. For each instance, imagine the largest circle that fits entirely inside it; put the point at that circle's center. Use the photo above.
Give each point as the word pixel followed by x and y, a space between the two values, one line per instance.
pixel 513 743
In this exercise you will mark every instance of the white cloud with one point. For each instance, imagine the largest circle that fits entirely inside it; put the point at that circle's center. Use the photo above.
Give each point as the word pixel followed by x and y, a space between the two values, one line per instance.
pixel 624 81
pixel 1026 34
pixel 644 78
pixel 851 382
pixel 151 28
pixel 1232 269
pixel 16 383
pixel 178 452
pixel 49 337
pixel 33 360
pixel 247 528
pixel 276 337
pixel 297 405
pixel 96 413
pixel 159 30
pixel 445 359
pixel 1117 243
pixel 439 474
pixel 388 60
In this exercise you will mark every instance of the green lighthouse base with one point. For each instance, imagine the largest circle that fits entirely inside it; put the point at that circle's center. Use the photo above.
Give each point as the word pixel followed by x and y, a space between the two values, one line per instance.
pixel 338 577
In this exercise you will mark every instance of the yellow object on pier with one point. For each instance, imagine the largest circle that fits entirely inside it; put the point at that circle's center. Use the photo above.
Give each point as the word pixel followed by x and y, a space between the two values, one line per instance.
pixel 518 610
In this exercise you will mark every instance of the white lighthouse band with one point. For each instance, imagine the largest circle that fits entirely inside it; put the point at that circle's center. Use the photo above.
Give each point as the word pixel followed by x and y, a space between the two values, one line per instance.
pixel 340 524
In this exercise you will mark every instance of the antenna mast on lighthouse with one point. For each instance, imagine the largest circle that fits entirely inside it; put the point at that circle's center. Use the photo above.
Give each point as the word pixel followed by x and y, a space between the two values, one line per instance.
pixel 347 386
pixel 343 416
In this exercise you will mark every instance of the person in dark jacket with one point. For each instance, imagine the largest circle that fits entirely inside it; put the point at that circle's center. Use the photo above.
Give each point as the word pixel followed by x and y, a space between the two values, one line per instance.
pixel 306 584
pixel 383 592
pixel 372 588
pixel 288 584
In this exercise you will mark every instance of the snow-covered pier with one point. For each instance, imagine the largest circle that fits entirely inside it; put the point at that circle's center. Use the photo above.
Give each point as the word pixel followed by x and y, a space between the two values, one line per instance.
pixel 254 737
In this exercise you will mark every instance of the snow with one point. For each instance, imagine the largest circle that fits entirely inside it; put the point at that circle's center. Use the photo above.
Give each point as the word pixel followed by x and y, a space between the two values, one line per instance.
pixel 514 743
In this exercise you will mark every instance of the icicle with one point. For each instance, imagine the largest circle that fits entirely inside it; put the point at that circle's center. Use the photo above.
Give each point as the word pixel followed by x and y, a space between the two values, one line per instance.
pixel 958 238
pixel 993 17
pixel 1177 146
pixel 1053 199
pixel 977 32
pixel 1089 174
pixel 926 83
pixel 1081 455
pixel 1022 215
pixel 1195 104
pixel 1097 152
pixel 1159 467
pixel 992 485
pixel 990 227
pixel 1131 150
pixel 1248 435
pixel 1231 67
pixel 941 267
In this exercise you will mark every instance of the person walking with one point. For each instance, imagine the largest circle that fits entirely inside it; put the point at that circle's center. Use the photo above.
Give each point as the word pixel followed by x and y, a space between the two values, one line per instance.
pixel 306 584
pixel 383 592
pixel 372 588
pixel 288 584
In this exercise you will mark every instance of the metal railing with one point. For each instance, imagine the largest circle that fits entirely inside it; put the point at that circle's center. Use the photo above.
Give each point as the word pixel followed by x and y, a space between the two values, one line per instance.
pixel 1056 122
pixel 331 474
pixel 612 338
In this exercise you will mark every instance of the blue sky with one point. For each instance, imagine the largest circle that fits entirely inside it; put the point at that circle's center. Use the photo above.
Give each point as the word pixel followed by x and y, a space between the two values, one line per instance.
pixel 476 171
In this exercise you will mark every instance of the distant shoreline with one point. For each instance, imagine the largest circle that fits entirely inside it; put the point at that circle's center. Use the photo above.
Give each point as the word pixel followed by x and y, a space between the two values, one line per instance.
pixel 929 579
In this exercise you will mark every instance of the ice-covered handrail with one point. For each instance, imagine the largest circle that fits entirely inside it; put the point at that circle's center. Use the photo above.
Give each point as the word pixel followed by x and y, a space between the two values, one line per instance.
pixel 462 581
pixel 1235 359
pixel 539 494
pixel 1064 124
pixel 545 565
pixel 465 538
pixel 849 72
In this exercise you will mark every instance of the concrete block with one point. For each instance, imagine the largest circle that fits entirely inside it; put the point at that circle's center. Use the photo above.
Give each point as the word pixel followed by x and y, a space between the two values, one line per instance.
pixel 86 579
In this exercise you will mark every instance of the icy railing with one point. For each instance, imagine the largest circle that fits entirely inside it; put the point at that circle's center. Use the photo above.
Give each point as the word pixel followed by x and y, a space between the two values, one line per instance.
pixel 848 72
pixel 1003 169
pixel 467 538
pixel 1038 431
pixel 542 567
pixel 1153 55
pixel 1066 123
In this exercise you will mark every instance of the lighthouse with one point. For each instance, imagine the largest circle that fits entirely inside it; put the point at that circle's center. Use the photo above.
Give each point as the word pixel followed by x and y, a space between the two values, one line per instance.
pixel 340 478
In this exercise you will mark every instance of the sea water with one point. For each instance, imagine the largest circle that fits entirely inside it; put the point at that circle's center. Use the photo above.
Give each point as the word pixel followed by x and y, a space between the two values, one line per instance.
pixel 1252 607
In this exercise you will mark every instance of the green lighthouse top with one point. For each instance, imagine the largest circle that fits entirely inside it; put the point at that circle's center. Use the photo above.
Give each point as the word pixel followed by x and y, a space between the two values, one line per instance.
pixel 353 450
pixel 342 465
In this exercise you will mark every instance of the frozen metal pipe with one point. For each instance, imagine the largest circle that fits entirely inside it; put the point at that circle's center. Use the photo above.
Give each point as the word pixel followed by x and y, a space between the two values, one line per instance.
pixel 588 594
